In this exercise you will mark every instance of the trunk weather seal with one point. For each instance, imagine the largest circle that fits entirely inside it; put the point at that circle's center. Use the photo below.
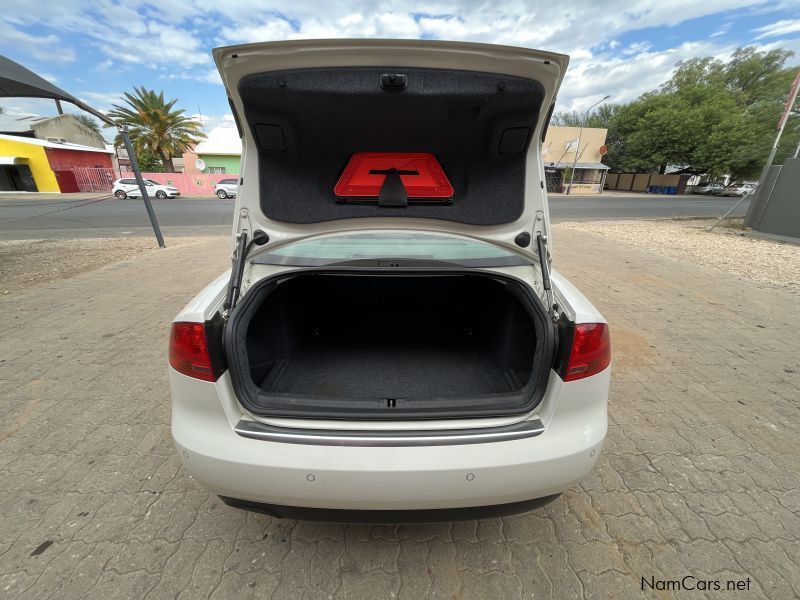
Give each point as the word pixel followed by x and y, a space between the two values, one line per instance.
pixel 514 404
pixel 304 261
pixel 326 437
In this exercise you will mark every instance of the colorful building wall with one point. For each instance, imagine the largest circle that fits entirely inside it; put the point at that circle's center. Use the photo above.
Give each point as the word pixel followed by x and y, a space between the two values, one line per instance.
pixel 230 162
pixel 36 159
pixel 65 160
pixel 560 144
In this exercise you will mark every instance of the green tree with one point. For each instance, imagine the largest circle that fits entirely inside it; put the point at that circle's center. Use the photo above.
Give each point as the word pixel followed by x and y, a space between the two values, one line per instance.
pixel 89 123
pixel 599 117
pixel 149 162
pixel 154 125
pixel 712 117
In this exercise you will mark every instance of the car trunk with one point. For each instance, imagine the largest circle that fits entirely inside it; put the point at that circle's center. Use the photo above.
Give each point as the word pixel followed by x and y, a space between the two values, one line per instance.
pixel 376 345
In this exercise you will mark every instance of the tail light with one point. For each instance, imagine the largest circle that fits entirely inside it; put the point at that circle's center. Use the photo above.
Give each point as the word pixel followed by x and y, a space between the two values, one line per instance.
pixel 188 351
pixel 591 351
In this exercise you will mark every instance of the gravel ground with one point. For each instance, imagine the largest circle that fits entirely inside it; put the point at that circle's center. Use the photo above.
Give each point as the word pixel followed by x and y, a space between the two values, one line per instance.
pixel 724 249
pixel 28 263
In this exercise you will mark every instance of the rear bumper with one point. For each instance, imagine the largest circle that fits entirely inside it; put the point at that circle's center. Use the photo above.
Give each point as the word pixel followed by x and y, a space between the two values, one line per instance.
pixel 360 478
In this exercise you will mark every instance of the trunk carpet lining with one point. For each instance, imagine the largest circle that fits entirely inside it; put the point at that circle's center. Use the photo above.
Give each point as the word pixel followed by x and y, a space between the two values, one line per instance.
pixel 372 372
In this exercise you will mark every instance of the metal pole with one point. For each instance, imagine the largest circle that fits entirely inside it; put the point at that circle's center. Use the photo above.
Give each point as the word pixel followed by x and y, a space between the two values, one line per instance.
pixel 577 150
pixel 725 216
pixel 138 175
pixel 797 150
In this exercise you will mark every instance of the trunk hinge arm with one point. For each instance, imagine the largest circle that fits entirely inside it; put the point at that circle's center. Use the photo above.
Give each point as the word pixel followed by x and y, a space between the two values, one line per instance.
pixel 544 262
pixel 238 260
pixel 541 236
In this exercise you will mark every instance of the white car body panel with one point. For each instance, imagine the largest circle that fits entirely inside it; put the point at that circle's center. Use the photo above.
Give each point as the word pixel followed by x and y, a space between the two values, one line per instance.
pixel 353 477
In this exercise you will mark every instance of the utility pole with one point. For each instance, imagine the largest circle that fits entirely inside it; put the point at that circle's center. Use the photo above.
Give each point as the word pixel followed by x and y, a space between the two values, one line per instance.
pixel 577 149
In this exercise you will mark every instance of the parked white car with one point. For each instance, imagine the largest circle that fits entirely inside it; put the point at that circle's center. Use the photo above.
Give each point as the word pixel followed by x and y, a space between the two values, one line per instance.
pixel 737 189
pixel 226 188
pixel 128 188
pixel 391 343
pixel 707 188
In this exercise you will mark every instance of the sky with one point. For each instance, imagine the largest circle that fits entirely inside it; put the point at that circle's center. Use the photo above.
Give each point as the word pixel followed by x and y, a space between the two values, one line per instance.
pixel 97 50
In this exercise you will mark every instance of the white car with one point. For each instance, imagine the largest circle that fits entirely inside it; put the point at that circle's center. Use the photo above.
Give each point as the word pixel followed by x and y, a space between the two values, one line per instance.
pixel 128 188
pixel 737 189
pixel 391 343
pixel 226 188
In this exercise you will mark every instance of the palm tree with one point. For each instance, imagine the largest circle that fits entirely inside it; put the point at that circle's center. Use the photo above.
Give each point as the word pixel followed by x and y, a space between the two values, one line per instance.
pixel 154 126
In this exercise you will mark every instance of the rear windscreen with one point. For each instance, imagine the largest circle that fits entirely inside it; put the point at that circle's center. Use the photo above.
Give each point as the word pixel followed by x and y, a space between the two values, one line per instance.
pixel 307 124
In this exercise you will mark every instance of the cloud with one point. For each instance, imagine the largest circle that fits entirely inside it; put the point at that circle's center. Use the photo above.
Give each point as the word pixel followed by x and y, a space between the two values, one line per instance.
pixel 102 100
pixel 778 28
pixel 722 30
pixel 221 135
pixel 626 77
pixel 173 39
pixel 46 48
pixel 212 77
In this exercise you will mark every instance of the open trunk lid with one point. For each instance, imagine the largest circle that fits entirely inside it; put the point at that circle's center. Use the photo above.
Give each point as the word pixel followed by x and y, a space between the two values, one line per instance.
pixel 307 109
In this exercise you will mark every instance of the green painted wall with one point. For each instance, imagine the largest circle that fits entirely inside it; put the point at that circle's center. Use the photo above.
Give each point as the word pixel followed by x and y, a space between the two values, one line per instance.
pixel 232 164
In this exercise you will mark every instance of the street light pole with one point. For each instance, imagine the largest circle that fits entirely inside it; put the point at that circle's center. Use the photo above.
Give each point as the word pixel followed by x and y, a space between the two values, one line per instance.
pixel 580 134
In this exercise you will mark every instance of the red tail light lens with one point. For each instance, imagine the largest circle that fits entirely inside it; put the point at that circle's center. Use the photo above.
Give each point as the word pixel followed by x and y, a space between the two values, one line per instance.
pixel 591 351
pixel 188 351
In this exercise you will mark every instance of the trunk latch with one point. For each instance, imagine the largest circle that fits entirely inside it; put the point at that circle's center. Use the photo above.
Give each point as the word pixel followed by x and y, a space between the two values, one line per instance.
pixel 394 81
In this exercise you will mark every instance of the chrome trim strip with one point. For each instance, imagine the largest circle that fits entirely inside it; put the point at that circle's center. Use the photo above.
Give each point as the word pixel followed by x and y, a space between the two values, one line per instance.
pixel 328 437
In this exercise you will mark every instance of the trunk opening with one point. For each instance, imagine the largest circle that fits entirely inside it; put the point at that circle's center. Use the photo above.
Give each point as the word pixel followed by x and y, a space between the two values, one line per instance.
pixel 388 346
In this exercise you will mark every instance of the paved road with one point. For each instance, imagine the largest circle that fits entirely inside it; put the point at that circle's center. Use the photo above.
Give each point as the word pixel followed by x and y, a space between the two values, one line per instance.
pixel 76 218
pixel 699 476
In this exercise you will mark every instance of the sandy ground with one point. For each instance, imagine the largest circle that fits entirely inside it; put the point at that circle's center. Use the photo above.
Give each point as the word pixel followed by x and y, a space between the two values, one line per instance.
pixel 724 249
pixel 28 263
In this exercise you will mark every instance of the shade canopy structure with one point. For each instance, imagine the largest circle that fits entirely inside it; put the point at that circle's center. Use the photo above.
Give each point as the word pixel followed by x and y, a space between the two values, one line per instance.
pixel 17 81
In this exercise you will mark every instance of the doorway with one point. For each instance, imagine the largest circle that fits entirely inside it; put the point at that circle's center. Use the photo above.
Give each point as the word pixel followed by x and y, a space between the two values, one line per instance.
pixel 16 178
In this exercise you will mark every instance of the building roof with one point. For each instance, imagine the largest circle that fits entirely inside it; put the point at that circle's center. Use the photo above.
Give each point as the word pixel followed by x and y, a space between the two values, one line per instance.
pixel 59 145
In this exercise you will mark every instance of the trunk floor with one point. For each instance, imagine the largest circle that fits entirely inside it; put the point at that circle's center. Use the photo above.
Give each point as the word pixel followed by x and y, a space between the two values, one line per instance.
pixel 378 372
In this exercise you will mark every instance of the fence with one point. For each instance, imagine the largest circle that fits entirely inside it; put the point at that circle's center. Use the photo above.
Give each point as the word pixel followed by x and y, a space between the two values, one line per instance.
pixel 189 184
pixel 653 183
pixel 90 179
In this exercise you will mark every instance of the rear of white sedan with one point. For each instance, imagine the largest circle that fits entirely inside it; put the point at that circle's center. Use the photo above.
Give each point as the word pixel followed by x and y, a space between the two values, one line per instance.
pixel 391 343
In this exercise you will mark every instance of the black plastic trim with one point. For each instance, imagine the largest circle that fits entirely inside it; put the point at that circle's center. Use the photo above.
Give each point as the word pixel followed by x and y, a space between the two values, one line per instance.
pixel 214 328
pixel 302 407
pixel 236 116
pixel 436 515
pixel 565 330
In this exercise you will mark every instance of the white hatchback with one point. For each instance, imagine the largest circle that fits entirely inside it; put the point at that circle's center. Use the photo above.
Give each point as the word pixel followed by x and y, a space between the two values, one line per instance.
pixel 128 188
pixel 226 188
pixel 391 343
